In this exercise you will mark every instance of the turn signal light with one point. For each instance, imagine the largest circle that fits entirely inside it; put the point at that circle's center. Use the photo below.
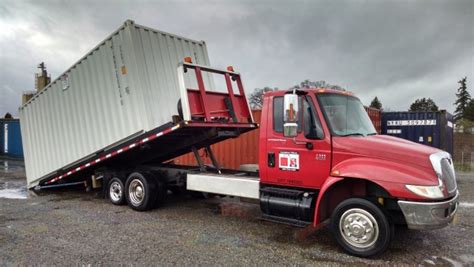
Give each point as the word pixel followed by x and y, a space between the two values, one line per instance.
pixel 335 173
pixel 230 68
pixel 188 60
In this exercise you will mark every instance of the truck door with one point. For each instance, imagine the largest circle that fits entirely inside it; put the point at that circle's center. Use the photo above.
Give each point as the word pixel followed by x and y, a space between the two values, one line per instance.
pixel 301 161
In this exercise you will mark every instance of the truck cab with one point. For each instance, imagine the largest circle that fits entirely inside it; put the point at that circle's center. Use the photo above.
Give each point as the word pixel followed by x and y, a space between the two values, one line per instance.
pixel 320 159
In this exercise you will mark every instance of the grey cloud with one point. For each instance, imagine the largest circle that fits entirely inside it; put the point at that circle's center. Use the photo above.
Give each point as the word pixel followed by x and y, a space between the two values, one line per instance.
pixel 397 50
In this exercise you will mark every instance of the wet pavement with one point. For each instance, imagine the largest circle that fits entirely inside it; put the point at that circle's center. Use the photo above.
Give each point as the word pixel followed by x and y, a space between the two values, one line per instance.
pixel 12 181
pixel 74 227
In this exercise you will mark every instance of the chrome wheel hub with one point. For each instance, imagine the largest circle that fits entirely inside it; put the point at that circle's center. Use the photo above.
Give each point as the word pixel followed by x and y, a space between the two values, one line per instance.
pixel 359 228
pixel 136 192
pixel 115 191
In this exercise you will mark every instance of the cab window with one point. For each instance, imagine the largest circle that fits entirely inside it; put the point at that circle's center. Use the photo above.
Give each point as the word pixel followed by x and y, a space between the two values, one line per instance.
pixel 308 121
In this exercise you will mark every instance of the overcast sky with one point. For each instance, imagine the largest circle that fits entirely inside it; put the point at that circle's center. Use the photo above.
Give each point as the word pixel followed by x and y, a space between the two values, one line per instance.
pixel 396 50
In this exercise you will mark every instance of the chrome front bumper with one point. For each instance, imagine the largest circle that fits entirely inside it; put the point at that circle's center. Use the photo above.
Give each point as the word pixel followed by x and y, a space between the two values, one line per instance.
pixel 429 215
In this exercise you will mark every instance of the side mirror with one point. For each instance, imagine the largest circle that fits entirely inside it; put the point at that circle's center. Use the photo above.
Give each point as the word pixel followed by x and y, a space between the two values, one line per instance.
pixel 290 115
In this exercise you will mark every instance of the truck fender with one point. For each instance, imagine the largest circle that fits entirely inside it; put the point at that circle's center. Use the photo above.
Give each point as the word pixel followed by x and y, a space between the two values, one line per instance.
pixel 327 184
pixel 350 187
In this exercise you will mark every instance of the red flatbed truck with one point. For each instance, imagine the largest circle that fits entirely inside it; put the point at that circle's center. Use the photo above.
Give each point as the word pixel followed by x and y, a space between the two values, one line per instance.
pixel 319 159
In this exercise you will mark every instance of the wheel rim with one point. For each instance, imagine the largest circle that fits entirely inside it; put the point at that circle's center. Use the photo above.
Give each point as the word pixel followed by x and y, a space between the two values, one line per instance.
pixel 116 191
pixel 136 192
pixel 359 228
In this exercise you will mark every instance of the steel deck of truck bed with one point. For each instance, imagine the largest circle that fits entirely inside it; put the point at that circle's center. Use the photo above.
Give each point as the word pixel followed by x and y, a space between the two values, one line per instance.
pixel 161 144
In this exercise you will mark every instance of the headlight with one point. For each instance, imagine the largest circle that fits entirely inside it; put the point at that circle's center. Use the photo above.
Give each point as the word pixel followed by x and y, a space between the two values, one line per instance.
pixel 432 192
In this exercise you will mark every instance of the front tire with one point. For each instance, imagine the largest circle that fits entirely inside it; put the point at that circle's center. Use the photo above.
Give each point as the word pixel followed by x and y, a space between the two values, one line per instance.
pixel 141 191
pixel 361 228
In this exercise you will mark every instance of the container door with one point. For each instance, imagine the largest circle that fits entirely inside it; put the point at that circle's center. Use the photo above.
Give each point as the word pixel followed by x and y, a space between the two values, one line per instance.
pixel 15 147
pixel 121 70
pixel 127 106
pixel 301 161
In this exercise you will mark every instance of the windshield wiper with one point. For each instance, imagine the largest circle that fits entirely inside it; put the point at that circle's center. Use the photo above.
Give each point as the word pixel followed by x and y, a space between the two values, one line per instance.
pixel 352 134
pixel 372 134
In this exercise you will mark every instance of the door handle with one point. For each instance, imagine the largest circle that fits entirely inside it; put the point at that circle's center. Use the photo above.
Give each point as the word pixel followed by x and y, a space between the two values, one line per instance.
pixel 308 145
pixel 271 159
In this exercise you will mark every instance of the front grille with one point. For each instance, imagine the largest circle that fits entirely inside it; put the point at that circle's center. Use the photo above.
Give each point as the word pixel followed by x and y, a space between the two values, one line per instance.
pixel 448 176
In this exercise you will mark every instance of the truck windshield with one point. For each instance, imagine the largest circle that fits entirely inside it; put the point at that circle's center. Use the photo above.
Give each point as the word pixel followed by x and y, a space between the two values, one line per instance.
pixel 345 115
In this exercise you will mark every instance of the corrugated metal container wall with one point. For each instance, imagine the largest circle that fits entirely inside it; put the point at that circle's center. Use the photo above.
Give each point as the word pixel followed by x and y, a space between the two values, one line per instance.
pixel 376 118
pixel 126 85
pixel 10 137
pixel 429 128
pixel 231 153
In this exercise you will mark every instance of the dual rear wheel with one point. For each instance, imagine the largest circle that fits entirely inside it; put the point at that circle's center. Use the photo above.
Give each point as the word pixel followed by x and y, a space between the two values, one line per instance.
pixel 142 191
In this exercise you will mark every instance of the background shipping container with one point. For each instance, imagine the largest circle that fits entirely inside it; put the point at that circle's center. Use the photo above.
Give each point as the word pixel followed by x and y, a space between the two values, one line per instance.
pixel 429 128
pixel 125 86
pixel 375 116
pixel 10 138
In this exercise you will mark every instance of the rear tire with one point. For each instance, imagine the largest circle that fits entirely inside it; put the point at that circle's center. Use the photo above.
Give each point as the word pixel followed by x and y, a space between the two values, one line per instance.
pixel 361 228
pixel 116 191
pixel 141 191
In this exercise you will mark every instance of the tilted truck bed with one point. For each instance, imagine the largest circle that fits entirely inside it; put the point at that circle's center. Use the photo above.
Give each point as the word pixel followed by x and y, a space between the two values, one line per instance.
pixel 159 145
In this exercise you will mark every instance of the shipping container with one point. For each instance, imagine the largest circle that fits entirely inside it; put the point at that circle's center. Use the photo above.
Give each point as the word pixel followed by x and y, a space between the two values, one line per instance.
pixel 233 153
pixel 429 128
pixel 10 138
pixel 376 118
pixel 125 86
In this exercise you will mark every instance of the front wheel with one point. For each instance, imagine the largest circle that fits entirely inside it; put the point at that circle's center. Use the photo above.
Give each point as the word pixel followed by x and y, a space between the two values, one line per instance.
pixel 361 227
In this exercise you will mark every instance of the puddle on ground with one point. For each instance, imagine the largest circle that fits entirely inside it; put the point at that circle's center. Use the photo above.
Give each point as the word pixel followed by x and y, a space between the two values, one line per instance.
pixel 12 181
pixel 13 193
pixel 443 261
pixel 13 190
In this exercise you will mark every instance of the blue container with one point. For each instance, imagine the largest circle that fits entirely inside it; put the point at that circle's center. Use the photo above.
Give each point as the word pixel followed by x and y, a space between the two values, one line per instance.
pixel 429 128
pixel 10 138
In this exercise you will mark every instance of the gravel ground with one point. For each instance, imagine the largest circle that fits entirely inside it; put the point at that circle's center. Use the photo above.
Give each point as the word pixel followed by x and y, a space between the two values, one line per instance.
pixel 66 228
